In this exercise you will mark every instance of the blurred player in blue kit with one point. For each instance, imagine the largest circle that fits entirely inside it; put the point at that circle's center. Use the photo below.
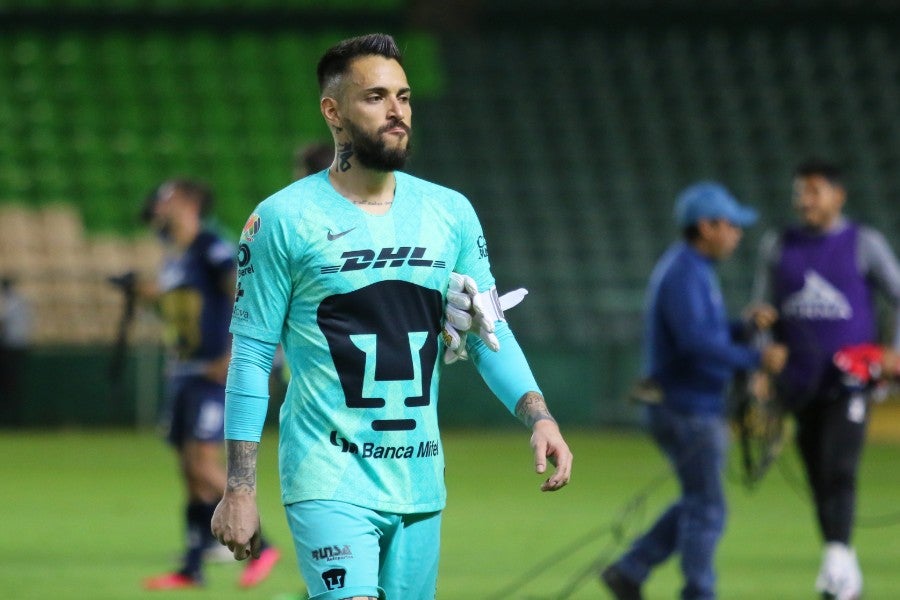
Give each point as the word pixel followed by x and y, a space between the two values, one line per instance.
pixel 349 269
pixel 194 293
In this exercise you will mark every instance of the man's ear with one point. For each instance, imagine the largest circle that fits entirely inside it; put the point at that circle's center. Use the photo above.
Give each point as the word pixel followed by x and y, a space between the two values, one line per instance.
pixel 329 108
pixel 841 192
pixel 705 227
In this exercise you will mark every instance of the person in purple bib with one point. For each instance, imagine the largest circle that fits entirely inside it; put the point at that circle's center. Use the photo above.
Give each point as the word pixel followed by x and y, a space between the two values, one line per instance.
pixel 822 275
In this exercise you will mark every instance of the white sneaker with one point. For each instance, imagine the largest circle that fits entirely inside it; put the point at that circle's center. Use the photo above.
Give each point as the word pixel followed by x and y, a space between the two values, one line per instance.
pixel 217 553
pixel 840 577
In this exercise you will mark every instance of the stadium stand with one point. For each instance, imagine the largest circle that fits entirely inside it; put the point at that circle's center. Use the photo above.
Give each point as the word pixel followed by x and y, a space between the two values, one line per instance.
pixel 600 128
pixel 571 137
pixel 64 273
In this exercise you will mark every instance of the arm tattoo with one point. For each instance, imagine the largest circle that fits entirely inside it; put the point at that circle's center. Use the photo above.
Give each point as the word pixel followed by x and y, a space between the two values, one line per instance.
pixel 344 154
pixel 532 408
pixel 241 465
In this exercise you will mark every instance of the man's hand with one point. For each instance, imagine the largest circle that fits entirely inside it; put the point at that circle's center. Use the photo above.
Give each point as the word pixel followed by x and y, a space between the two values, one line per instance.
pixel 548 444
pixel 773 358
pixel 235 523
pixel 762 315
pixel 761 385
pixel 468 310
pixel 890 363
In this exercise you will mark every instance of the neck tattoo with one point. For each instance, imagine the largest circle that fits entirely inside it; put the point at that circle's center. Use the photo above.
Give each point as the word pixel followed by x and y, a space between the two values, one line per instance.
pixel 344 153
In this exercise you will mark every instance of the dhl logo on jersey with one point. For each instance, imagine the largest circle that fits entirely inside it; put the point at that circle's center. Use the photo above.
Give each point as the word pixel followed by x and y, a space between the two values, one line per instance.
pixel 356 260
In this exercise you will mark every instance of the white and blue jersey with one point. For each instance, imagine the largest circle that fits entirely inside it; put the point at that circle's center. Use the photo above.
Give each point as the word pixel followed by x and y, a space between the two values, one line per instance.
pixel 194 303
pixel 357 301
pixel 195 307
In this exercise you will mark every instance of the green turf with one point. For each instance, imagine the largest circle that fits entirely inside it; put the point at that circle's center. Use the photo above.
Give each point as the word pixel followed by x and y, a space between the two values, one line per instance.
pixel 89 514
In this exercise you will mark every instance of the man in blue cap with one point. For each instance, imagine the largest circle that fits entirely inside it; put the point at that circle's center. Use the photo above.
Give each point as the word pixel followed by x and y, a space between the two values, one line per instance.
pixel 690 354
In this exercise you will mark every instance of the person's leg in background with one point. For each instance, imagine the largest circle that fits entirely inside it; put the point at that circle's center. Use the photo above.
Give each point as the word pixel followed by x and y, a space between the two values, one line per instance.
pixel 830 436
pixel 197 431
pixel 692 526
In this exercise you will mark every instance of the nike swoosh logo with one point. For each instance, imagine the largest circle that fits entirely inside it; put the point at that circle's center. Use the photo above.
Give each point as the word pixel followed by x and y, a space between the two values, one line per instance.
pixel 334 236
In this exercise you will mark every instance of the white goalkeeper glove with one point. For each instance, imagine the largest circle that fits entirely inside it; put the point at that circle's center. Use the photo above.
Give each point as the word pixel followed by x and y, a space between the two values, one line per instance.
pixel 469 310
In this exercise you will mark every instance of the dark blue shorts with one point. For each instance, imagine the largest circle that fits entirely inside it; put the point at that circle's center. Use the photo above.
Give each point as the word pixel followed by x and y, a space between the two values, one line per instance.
pixel 195 410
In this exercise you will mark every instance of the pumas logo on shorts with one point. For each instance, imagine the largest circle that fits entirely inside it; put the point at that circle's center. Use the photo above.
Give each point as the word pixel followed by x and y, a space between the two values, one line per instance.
pixel 335 579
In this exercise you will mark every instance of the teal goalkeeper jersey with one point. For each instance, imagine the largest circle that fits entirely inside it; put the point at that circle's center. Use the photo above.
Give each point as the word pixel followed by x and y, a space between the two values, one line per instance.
pixel 357 301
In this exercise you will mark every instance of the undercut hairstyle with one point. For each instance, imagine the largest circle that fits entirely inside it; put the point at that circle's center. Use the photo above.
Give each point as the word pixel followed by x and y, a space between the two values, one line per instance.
pixel 821 168
pixel 336 61
pixel 199 191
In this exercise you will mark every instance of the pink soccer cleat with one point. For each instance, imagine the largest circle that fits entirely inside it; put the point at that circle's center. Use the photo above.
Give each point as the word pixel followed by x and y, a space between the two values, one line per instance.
pixel 172 581
pixel 259 568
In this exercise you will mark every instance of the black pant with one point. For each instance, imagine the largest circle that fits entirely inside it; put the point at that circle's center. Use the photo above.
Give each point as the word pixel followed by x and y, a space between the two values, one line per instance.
pixel 830 434
pixel 12 365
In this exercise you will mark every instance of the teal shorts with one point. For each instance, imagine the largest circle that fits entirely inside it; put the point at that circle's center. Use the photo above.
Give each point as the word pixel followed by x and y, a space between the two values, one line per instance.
pixel 346 550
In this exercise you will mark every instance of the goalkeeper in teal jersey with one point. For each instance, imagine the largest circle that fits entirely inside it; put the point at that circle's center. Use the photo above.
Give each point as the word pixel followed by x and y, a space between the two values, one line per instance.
pixel 349 269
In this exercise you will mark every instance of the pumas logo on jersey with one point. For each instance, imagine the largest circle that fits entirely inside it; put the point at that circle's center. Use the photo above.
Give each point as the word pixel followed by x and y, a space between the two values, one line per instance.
pixel 357 260
pixel 817 299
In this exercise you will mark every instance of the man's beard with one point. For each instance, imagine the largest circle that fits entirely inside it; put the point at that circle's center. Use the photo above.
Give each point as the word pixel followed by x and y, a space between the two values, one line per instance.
pixel 373 153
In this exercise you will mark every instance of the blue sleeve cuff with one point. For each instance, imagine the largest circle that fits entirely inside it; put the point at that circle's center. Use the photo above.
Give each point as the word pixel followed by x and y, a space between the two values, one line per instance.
pixel 506 372
pixel 247 388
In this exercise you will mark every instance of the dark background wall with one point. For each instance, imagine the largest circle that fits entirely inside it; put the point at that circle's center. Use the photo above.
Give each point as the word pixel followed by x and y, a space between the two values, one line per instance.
pixel 571 128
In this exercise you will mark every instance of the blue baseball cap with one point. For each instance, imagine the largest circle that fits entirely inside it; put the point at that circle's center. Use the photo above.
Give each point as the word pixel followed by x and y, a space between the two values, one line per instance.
pixel 711 200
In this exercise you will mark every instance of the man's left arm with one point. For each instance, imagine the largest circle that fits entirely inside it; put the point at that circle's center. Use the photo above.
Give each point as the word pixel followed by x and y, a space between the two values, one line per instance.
pixel 546 441
pixel 504 368
pixel 509 377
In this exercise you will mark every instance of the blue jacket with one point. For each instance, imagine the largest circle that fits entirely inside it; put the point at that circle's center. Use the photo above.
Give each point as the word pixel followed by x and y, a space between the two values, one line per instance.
pixel 689 347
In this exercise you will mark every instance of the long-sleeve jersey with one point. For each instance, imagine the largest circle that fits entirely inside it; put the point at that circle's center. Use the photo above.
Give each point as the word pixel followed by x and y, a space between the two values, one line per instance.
pixel 195 304
pixel 689 344
pixel 357 301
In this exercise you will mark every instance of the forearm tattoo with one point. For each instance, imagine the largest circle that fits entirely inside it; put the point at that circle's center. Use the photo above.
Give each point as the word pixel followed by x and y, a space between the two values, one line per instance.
pixel 532 408
pixel 241 465
pixel 345 151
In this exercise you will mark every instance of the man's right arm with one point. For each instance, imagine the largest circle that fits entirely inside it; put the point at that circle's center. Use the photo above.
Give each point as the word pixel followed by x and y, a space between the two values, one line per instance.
pixel 241 466
pixel 235 522
pixel 684 302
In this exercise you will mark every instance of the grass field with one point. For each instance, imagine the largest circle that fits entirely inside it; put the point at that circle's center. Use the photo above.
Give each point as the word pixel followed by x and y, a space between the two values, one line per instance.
pixel 87 515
